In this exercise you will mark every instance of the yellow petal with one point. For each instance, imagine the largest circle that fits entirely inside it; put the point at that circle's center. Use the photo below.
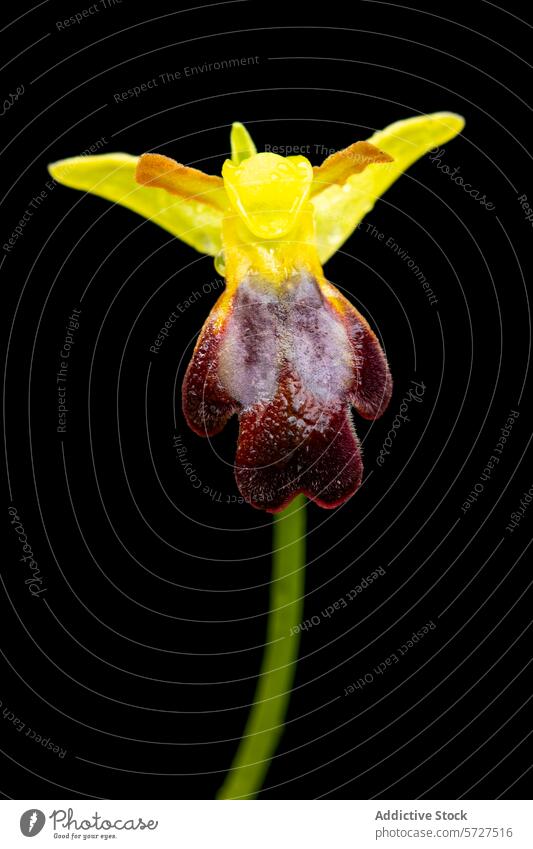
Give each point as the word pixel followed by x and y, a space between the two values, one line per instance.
pixel 112 176
pixel 342 164
pixel 242 146
pixel 339 209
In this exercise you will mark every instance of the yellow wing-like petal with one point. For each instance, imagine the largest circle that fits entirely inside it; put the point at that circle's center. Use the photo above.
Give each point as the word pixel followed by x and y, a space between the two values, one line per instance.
pixel 112 176
pixel 339 209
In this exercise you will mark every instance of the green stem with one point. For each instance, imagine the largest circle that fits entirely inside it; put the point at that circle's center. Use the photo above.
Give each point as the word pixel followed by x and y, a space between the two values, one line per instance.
pixel 266 719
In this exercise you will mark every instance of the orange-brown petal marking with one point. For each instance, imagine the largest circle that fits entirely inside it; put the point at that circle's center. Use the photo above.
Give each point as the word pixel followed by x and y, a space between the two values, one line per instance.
pixel 157 171
pixel 340 165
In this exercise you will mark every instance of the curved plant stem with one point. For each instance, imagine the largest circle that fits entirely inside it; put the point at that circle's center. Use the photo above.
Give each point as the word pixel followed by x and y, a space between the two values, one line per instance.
pixel 265 723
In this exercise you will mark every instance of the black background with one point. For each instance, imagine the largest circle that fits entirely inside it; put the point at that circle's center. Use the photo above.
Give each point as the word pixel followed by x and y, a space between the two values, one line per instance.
pixel 141 657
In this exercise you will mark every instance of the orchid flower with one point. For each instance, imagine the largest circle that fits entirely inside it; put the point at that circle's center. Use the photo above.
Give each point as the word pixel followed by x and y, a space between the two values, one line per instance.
pixel 282 348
